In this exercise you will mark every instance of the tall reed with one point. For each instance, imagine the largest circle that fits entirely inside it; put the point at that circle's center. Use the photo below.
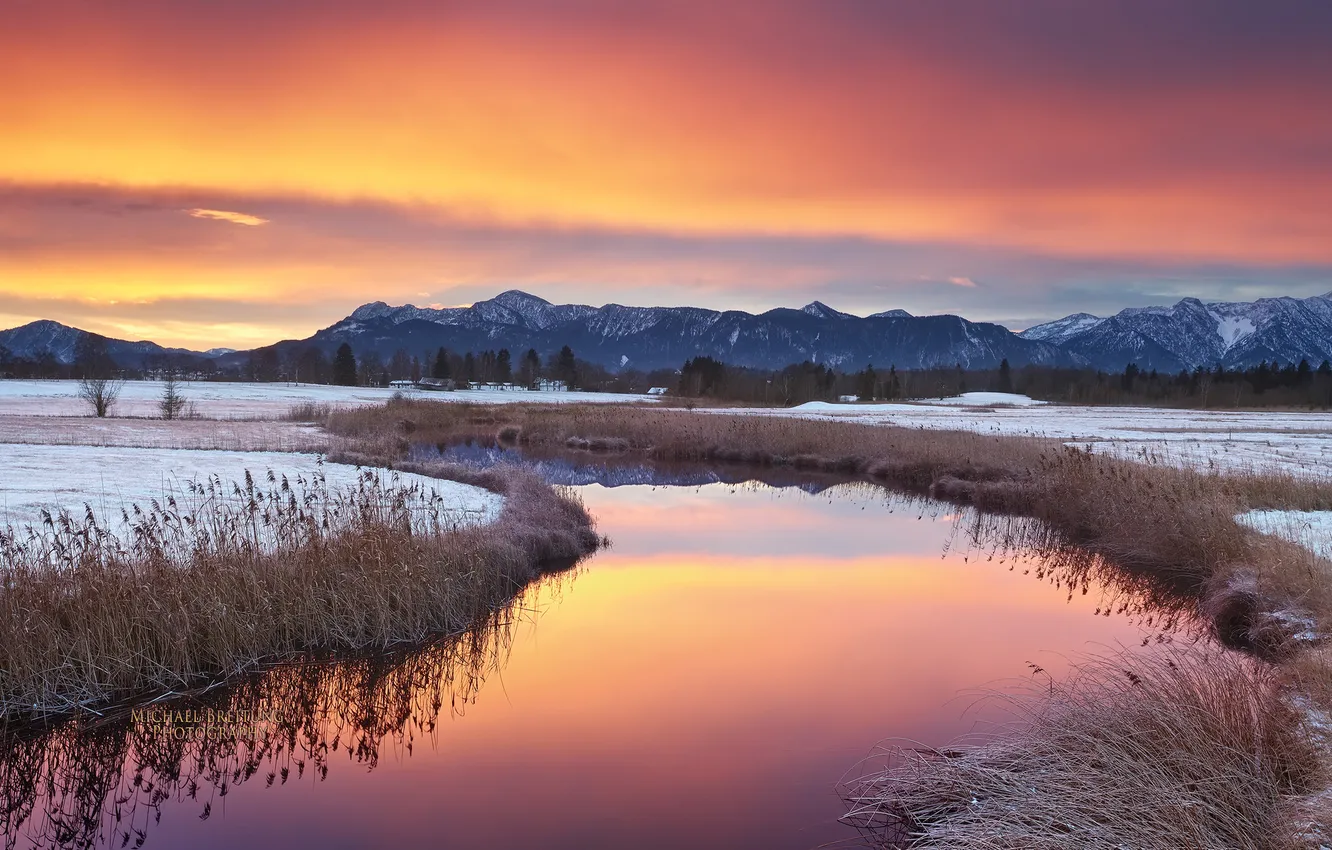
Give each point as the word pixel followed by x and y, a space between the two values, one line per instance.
pixel 236 579
pixel 1179 749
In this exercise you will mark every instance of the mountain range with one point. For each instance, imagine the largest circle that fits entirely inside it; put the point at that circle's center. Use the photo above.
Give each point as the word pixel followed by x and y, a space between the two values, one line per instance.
pixel 1195 333
pixel 1190 333
pixel 648 338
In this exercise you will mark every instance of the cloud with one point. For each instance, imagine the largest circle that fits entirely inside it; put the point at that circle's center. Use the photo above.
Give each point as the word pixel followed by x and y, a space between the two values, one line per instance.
pixel 227 215
pixel 68 250
pixel 1090 127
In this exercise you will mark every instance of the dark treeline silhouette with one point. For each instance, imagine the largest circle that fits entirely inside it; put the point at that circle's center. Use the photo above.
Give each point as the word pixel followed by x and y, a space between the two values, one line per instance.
pixel 92 359
pixel 370 369
pixel 1264 385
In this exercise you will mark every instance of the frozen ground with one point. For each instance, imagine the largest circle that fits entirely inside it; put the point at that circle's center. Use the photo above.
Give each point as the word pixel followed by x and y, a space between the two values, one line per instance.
pixel 108 479
pixel 229 434
pixel 216 400
pixel 1295 442
pixel 1310 529
pixel 982 399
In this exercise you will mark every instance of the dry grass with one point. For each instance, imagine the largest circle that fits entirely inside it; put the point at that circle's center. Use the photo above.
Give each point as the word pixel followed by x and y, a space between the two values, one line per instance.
pixel 200 592
pixel 309 411
pixel 1183 750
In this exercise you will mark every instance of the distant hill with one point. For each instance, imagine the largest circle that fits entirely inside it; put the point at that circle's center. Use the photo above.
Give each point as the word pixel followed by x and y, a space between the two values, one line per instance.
pixel 31 340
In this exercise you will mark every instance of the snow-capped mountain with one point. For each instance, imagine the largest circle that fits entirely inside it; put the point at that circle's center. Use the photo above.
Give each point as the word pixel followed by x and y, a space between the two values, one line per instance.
pixel 1189 334
pixel 819 310
pixel 617 336
pixel 1194 333
pixel 30 341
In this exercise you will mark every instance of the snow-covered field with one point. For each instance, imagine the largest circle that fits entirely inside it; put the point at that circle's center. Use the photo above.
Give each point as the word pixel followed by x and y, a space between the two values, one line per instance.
pixel 108 480
pixel 216 400
pixel 1310 529
pixel 1293 442
pixel 229 434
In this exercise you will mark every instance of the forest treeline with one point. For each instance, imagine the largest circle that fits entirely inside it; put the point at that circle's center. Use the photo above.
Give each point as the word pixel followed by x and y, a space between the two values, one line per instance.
pixel 1264 385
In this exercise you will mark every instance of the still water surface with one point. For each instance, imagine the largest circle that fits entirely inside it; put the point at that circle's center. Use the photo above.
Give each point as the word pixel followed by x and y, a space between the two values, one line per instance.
pixel 706 682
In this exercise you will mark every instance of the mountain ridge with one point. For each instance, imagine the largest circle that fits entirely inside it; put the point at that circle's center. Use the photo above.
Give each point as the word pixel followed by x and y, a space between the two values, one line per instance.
pixel 1193 333
pixel 1185 335
pixel 618 336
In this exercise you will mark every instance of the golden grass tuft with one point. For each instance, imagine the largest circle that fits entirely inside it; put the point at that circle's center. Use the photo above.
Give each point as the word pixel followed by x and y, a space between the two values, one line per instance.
pixel 1183 749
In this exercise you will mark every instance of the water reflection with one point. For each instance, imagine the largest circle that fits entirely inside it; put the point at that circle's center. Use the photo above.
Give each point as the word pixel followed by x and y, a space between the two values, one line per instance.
pixel 105 780
pixel 706 683
pixel 581 468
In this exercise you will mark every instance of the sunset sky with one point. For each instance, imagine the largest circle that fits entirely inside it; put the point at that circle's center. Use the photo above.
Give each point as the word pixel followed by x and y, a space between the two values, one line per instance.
pixel 209 173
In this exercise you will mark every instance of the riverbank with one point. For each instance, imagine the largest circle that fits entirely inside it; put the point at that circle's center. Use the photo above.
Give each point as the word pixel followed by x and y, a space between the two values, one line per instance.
pixel 197 589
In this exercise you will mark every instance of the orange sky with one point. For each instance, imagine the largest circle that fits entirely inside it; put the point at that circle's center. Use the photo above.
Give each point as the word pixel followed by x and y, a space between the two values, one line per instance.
pixel 593 150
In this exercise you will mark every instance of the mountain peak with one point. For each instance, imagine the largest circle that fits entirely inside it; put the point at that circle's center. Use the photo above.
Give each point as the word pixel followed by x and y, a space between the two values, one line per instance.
pixel 819 310
pixel 891 314
pixel 373 310
pixel 514 298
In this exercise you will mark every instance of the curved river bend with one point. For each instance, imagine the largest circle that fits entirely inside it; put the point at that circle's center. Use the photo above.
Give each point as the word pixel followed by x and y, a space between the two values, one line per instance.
pixel 706 682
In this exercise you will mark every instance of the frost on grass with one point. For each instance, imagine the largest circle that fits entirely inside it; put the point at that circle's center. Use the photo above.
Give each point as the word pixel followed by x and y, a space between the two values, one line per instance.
pixel 112 486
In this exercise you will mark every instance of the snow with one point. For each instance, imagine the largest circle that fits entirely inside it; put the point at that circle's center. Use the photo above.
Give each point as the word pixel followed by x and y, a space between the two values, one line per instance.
pixel 983 399
pixel 231 434
pixel 1299 443
pixel 1232 329
pixel 1310 529
pixel 977 399
pixel 219 400
pixel 1062 330
pixel 110 479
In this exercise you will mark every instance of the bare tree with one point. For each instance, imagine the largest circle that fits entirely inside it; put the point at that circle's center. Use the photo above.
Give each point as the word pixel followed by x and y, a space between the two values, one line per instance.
pixel 100 393
pixel 172 403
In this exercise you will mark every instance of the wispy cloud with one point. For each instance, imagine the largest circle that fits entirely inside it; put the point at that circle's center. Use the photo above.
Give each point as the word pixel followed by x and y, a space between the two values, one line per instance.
pixel 228 215
pixel 962 281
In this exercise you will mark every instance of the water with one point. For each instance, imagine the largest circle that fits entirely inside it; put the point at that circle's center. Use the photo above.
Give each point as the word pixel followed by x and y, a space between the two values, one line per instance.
pixel 704 683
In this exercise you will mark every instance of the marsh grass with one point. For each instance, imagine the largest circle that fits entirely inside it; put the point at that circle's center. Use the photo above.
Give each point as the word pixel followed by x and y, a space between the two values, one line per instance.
pixel 234 580
pixel 309 411
pixel 1179 749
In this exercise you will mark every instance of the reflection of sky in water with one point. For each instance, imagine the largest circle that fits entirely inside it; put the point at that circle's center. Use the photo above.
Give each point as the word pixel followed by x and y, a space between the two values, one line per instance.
pixel 704 683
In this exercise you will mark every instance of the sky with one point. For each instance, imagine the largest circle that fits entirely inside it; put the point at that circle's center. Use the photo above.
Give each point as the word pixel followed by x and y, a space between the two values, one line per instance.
pixel 207 173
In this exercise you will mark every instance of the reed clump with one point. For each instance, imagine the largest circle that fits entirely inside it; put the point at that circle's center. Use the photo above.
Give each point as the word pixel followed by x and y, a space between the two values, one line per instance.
pixel 1182 749
pixel 227 580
